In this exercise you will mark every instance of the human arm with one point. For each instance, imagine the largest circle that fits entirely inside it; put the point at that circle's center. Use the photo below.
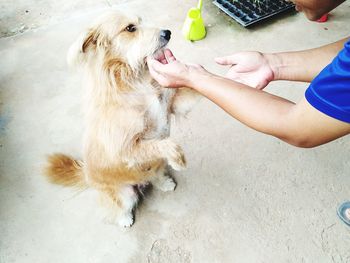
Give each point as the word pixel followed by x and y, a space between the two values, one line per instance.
pixel 298 124
pixel 307 64
pixel 257 69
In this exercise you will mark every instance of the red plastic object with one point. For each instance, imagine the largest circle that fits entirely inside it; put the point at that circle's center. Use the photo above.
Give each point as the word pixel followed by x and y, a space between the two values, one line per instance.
pixel 323 19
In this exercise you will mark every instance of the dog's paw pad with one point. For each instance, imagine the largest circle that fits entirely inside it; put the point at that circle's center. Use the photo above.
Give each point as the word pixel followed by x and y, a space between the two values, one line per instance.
pixel 126 220
pixel 168 185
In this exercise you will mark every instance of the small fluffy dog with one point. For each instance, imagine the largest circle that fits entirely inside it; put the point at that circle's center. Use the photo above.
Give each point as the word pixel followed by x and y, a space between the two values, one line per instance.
pixel 126 142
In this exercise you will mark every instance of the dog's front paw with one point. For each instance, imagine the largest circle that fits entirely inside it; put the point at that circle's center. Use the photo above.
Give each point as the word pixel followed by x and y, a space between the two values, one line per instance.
pixel 126 220
pixel 167 185
pixel 175 157
pixel 177 164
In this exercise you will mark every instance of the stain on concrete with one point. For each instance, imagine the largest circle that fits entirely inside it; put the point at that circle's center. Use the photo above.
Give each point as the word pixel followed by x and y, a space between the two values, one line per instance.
pixel 161 252
pixel 4 120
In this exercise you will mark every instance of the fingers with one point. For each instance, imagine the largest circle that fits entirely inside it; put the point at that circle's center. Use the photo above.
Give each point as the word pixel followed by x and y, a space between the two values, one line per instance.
pixel 262 85
pixel 161 58
pixel 222 61
pixel 165 56
pixel 197 66
pixel 169 55
pixel 228 60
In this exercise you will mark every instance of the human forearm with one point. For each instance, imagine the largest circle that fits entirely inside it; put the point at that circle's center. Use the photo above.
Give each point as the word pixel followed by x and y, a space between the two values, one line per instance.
pixel 303 65
pixel 257 109
pixel 297 124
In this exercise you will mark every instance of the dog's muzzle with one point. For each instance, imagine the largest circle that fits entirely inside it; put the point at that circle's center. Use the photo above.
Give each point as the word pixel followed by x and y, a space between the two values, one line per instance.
pixel 165 35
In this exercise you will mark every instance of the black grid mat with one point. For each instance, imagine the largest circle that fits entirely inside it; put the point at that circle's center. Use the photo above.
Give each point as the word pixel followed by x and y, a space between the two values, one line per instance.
pixel 248 12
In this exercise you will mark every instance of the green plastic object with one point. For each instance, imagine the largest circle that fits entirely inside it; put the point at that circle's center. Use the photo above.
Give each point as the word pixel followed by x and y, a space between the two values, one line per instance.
pixel 193 28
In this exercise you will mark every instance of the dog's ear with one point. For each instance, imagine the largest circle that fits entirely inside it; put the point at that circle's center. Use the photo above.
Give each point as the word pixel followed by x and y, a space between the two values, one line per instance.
pixel 76 52
pixel 88 41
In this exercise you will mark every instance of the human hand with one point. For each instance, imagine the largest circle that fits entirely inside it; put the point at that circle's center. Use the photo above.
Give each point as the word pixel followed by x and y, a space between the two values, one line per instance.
pixel 250 68
pixel 170 72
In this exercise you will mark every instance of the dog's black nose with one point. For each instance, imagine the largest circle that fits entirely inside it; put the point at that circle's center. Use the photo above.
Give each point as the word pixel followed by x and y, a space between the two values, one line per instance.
pixel 165 34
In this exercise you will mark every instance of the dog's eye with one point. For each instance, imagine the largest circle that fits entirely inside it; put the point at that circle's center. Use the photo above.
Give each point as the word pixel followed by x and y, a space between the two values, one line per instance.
pixel 131 28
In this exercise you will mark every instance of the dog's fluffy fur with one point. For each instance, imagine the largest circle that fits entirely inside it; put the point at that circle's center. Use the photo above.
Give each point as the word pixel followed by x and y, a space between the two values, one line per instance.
pixel 126 140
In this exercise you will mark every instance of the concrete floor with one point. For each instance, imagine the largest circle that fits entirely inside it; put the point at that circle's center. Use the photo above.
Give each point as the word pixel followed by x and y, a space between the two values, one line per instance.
pixel 245 197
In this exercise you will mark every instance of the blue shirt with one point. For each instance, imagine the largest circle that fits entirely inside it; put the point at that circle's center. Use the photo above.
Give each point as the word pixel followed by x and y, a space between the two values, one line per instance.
pixel 329 92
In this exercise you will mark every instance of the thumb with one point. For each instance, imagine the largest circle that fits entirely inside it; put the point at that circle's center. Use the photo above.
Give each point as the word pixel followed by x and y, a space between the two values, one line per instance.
pixel 227 60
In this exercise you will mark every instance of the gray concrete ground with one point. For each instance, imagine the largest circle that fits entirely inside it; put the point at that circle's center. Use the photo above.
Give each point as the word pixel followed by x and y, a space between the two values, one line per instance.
pixel 245 197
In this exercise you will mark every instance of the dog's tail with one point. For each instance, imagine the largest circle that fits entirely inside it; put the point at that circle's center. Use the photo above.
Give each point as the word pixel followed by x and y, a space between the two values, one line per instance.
pixel 64 170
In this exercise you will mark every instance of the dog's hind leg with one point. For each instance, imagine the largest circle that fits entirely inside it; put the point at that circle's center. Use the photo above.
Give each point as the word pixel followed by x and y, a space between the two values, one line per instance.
pixel 120 203
pixel 127 200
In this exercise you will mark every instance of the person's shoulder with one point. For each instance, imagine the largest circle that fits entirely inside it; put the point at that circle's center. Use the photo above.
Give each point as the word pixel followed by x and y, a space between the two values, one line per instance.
pixel 345 52
pixel 347 45
pixel 329 92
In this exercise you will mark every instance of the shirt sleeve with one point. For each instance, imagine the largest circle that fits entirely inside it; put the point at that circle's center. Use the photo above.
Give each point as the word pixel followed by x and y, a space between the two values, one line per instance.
pixel 329 92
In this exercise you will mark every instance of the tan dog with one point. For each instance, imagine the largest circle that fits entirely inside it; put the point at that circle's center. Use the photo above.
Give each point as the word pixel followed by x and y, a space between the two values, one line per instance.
pixel 126 140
